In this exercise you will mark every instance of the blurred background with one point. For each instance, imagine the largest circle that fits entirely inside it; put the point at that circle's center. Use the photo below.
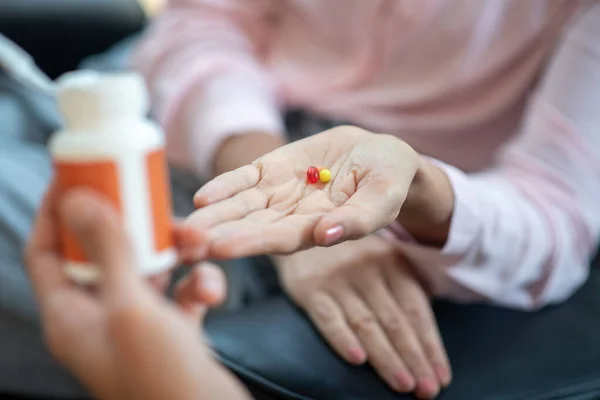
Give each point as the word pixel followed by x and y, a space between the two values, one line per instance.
pixel 60 33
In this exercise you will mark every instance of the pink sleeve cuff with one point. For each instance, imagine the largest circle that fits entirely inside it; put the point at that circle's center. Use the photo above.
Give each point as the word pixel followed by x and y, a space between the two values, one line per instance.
pixel 465 225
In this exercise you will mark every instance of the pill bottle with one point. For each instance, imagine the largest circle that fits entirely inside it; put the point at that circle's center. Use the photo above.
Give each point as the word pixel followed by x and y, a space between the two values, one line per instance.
pixel 108 146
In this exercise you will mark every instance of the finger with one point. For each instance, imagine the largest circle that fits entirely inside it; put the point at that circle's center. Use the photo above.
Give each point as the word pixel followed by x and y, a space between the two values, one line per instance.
pixel 416 306
pixel 44 235
pixel 191 244
pixel 205 286
pixel 159 282
pixel 373 206
pixel 226 185
pixel 231 209
pixel 380 352
pixel 329 320
pixel 400 333
pixel 250 237
pixel 94 221
pixel 42 259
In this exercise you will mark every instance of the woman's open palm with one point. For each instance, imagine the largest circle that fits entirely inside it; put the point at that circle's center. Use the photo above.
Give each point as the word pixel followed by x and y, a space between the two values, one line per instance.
pixel 270 207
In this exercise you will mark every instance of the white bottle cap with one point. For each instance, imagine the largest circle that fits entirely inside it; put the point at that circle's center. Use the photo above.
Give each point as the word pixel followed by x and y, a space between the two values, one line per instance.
pixel 87 98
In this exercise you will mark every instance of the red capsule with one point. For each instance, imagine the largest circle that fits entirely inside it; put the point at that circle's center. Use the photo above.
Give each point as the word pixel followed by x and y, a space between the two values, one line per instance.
pixel 312 175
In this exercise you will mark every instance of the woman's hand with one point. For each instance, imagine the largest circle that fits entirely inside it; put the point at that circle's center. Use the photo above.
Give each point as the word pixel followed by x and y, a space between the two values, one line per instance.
pixel 368 305
pixel 268 206
pixel 122 339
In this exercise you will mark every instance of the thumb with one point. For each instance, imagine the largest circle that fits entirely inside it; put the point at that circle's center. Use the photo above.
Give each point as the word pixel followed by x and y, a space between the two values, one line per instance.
pixel 97 227
pixel 372 207
pixel 205 286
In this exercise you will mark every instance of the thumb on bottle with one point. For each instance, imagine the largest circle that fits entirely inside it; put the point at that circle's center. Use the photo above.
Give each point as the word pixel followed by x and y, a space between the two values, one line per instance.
pixel 97 227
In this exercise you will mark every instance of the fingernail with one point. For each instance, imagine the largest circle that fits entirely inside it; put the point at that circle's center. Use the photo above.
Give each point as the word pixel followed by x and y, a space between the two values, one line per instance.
pixel 357 355
pixel 443 375
pixel 427 387
pixel 212 284
pixel 405 381
pixel 333 235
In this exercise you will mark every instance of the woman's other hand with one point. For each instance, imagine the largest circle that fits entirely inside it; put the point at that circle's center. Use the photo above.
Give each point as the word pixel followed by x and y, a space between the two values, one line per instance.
pixel 369 306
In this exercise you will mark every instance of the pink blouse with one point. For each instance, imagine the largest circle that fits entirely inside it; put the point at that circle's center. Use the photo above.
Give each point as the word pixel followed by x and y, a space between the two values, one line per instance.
pixel 503 95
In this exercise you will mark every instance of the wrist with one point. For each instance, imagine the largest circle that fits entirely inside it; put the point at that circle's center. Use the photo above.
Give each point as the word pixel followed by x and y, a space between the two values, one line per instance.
pixel 427 211
pixel 239 150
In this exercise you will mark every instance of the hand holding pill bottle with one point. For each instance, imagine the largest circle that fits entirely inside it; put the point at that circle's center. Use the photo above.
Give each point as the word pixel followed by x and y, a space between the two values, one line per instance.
pixel 109 146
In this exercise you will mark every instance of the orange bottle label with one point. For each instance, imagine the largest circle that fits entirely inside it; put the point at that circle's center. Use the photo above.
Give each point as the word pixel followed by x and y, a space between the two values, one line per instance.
pixel 160 200
pixel 102 177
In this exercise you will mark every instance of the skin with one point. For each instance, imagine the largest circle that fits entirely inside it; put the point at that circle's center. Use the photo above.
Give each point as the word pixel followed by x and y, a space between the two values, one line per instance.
pixel 119 337
pixel 319 280
pixel 243 149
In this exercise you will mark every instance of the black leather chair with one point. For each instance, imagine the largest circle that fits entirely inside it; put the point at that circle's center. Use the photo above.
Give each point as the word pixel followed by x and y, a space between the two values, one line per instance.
pixel 59 33
pixel 496 354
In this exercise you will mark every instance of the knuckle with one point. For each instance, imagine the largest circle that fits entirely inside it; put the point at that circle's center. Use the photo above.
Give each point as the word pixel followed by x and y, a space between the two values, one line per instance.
pixel 392 323
pixel 322 310
pixel 413 356
pixel 434 351
pixel 415 315
pixel 364 325
pixel 396 193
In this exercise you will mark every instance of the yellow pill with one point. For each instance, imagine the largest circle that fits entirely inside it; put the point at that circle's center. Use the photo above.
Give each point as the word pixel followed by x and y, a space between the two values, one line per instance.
pixel 324 175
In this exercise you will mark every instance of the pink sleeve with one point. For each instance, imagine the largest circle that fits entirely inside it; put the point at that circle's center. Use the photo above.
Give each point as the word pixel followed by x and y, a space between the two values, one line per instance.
pixel 523 232
pixel 200 59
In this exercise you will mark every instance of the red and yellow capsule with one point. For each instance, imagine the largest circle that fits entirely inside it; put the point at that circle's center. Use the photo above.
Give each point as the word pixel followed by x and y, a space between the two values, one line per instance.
pixel 314 175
